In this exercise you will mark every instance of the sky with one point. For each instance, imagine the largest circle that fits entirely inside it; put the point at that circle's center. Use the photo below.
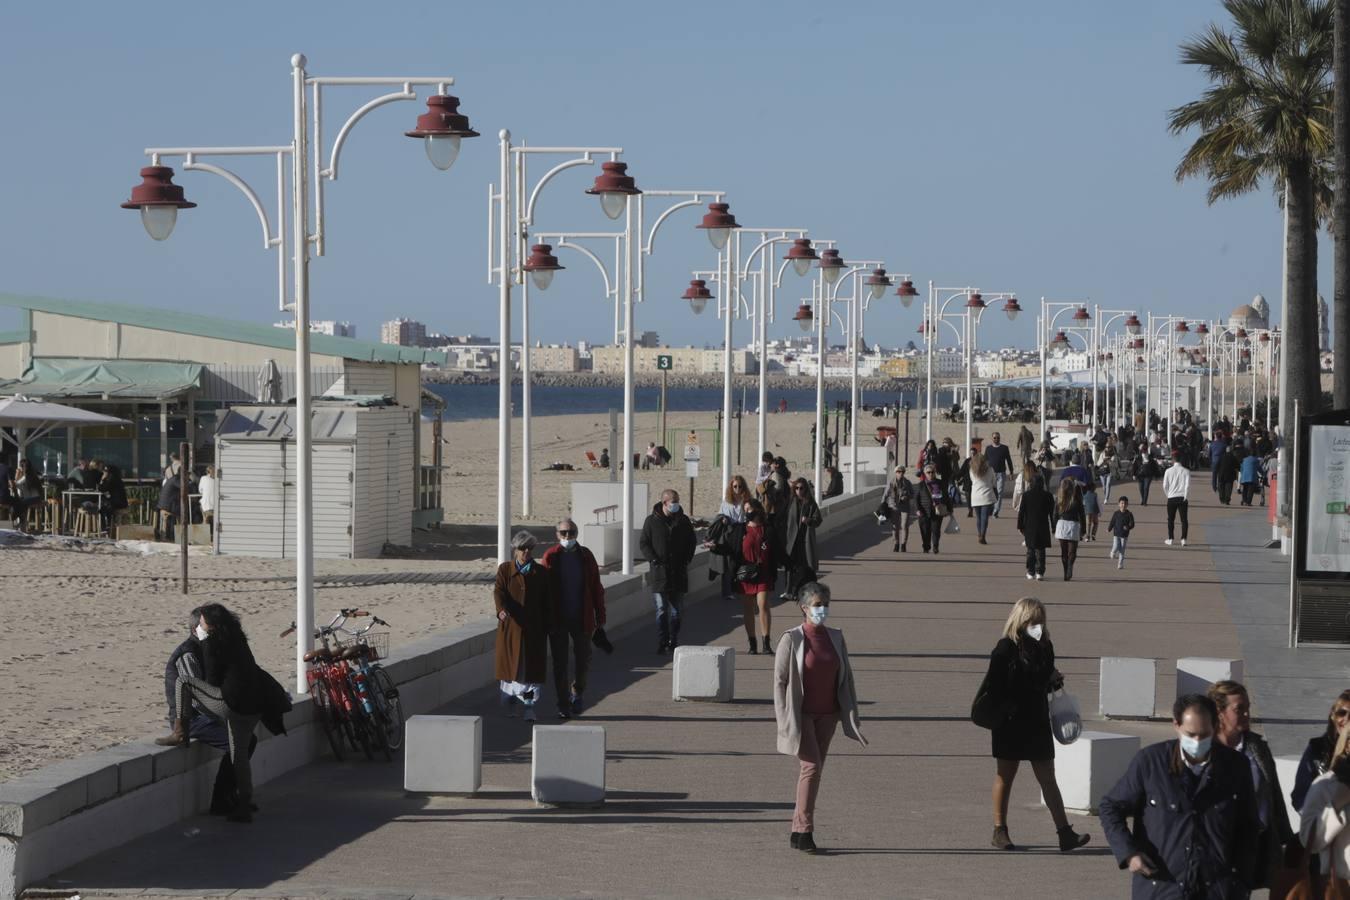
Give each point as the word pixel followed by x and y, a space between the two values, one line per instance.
pixel 1009 147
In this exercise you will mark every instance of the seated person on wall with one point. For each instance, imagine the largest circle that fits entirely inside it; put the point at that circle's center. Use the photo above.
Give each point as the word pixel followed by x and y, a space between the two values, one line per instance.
pixel 186 659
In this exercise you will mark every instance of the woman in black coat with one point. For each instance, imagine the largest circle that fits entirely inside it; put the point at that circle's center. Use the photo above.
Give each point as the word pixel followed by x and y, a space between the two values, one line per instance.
pixel 1035 519
pixel 1021 674
pixel 930 497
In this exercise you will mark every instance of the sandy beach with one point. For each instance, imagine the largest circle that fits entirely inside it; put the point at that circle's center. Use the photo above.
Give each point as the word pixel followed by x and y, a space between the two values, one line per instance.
pixel 86 633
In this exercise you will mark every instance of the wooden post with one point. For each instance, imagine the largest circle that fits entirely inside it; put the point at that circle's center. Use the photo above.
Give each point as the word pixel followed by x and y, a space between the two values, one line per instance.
pixel 184 506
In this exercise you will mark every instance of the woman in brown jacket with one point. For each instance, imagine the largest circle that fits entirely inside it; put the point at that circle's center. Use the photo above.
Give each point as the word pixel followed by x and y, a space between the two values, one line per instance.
pixel 521 596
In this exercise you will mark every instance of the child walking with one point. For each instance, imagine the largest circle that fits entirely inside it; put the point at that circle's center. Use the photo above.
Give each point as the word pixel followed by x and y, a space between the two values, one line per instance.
pixel 1120 526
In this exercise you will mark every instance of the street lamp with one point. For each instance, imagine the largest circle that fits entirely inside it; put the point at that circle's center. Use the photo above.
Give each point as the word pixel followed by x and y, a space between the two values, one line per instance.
pixel 801 254
pixel 906 292
pixel 614 186
pixel 971 313
pixel 441 127
pixel 804 316
pixel 159 200
pixel 718 223
pixel 698 295
pixel 831 266
pixel 541 265
pixel 1048 337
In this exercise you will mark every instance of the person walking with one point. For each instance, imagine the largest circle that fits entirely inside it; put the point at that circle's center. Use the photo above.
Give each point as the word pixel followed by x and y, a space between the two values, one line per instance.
pixel 1092 508
pixel 755 574
pixel 1145 470
pixel 1177 485
pixel 1234 731
pixel 667 544
pixel 1021 675
pixel 1193 810
pixel 931 501
pixel 1024 479
pixel 1322 824
pixel 1035 520
pixel 523 598
pixel 233 690
pixel 1026 444
pixel 812 693
pixel 1249 476
pixel 732 509
pixel 999 458
pixel 1069 523
pixel 1120 526
pixel 1227 474
pixel 1320 752
pixel 899 500
pixel 803 518
pixel 982 492
pixel 1106 467
pixel 578 609
pixel 209 488
pixel 1218 445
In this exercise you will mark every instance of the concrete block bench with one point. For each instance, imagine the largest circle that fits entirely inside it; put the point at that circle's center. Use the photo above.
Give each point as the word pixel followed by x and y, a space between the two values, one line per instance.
pixel 1196 673
pixel 1091 766
pixel 568 768
pixel 443 754
pixel 704 673
pixel 1127 687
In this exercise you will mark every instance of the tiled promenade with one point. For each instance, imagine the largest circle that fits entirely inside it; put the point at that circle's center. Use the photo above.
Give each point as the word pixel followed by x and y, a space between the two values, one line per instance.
pixel 699 802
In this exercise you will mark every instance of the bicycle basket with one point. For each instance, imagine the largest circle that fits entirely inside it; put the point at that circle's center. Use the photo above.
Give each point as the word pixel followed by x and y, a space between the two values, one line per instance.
pixel 378 641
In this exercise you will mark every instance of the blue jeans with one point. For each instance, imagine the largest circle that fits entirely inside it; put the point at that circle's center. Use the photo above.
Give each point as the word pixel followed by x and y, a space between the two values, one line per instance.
pixel 1106 487
pixel 999 478
pixel 668 608
pixel 982 519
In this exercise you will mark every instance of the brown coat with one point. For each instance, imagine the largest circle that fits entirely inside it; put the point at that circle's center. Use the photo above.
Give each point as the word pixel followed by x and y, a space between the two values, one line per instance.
pixel 524 630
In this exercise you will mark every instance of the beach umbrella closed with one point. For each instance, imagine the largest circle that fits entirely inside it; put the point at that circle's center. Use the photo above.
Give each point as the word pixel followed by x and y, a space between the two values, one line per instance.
pixel 31 419
pixel 269 383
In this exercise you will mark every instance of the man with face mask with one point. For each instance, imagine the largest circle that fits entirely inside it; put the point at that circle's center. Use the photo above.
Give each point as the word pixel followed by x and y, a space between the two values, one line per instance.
pixel 578 608
pixel 668 546
pixel 1194 812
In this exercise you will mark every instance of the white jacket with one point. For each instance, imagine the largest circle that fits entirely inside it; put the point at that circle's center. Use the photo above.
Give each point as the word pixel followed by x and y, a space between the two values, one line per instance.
pixel 1177 481
pixel 982 489
pixel 1322 827
pixel 207 487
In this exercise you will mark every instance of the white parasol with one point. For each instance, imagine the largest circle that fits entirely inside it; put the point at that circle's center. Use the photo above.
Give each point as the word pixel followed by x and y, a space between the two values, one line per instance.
pixel 32 419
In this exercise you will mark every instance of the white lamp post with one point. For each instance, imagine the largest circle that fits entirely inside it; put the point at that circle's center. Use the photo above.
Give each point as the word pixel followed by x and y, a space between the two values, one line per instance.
pixel 970 314
pixel 441 128
pixel 1047 331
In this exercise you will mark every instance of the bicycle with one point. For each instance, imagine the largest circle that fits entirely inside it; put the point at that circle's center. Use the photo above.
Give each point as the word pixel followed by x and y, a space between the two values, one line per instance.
pixel 340 681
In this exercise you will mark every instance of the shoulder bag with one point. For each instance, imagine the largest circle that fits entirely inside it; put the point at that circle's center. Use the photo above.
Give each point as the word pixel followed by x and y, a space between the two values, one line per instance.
pixel 991 708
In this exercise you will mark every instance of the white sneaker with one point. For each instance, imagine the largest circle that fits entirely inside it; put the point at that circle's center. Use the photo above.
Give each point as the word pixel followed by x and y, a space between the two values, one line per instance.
pixel 1040 577
pixel 1121 563
pixel 1113 554
pixel 1168 542
pixel 1029 576
pixel 1183 542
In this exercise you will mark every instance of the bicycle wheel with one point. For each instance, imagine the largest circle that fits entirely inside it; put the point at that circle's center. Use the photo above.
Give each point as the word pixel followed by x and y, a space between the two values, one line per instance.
pixel 384 689
pixel 324 713
pixel 364 730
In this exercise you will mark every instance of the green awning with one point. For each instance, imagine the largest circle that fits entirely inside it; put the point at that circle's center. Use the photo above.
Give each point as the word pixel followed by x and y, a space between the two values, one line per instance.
pixel 105 378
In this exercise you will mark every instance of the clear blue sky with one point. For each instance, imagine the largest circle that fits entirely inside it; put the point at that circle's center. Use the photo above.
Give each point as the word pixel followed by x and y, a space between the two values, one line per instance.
pixel 1009 146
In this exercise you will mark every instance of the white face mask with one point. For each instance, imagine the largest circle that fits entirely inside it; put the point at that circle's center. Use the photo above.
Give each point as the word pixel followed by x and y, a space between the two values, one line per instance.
pixel 1035 631
pixel 568 543
pixel 202 633
pixel 817 614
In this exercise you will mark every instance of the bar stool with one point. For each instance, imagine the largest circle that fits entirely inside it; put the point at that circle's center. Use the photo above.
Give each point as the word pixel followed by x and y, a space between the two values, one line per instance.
pixel 87 523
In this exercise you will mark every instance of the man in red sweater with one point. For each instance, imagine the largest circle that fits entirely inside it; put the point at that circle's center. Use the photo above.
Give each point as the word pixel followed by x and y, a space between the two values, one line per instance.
pixel 579 608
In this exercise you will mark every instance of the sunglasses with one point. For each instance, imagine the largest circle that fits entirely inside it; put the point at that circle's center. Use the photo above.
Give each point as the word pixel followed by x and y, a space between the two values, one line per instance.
pixel 1341 713
pixel 570 533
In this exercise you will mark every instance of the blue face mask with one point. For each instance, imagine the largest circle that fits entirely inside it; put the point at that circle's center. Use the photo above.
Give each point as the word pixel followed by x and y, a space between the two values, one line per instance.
pixel 568 543
pixel 1195 748
pixel 673 508
pixel 817 615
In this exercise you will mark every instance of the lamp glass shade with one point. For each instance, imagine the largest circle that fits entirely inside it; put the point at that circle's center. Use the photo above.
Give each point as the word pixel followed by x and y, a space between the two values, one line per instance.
pixel 831 273
pixel 877 290
pixel 801 265
pixel 698 304
pixel 542 278
pixel 1012 311
pixel 805 324
pixel 613 203
pixel 718 237
pixel 159 219
pixel 442 149
pixel 906 300
pixel 1133 327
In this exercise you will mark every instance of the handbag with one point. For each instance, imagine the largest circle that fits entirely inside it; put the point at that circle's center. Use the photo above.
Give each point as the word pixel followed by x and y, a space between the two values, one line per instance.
pixel 1068 530
pixel 989 710
pixel 1066 722
pixel 747 572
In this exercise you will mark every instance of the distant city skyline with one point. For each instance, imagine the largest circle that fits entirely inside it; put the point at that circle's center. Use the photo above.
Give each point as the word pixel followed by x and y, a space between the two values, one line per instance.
pixel 968 165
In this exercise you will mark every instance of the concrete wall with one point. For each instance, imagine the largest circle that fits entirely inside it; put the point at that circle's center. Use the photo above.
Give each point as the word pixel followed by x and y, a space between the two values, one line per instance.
pixel 13 360
pixel 63 814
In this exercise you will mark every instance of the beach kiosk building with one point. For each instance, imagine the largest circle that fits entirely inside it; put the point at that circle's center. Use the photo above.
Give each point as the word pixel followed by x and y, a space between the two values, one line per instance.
pixel 176 376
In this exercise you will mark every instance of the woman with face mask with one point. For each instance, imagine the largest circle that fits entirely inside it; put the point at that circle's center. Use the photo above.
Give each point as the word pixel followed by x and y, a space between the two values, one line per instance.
pixel 522 597
pixel 1021 674
pixel 755 571
pixel 813 692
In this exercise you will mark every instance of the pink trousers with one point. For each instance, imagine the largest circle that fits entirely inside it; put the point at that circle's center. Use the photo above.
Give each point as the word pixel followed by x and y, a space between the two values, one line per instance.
pixel 817 732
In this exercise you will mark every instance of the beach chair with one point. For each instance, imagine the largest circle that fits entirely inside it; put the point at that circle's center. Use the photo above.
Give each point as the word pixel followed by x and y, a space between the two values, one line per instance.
pixel 590 457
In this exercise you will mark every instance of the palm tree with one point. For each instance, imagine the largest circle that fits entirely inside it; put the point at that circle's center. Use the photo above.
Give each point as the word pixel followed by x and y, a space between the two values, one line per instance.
pixel 1267 116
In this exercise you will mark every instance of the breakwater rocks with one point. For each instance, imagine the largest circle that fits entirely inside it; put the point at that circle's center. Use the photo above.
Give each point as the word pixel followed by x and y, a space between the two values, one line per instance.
pixel 648 379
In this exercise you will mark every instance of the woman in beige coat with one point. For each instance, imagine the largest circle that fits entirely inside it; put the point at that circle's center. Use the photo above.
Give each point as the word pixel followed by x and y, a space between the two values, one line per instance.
pixel 812 692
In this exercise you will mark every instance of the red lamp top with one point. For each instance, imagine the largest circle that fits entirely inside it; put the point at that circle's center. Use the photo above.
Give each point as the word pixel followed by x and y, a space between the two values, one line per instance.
pixel 1240 334
pixel 614 179
pixel 1060 338
pixel 1182 327
pixel 975 301
pixel 1081 314
pixel 1202 328
pixel 1133 324
pixel 907 289
pixel 697 290
pixel 1139 343
pixel 157 189
pixel 542 259
pixel 804 313
pixel 878 276
pixel 442 118
pixel 1265 337
pixel 717 216
pixel 801 249
pixel 830 259
pixel 1011 305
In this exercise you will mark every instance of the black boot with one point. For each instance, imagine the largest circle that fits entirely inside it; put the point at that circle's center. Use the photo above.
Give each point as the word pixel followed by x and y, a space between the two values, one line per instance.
pixel 807 843
pixel 1071 840
pixel 795 838
pixel 754 647
pixel 768 648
